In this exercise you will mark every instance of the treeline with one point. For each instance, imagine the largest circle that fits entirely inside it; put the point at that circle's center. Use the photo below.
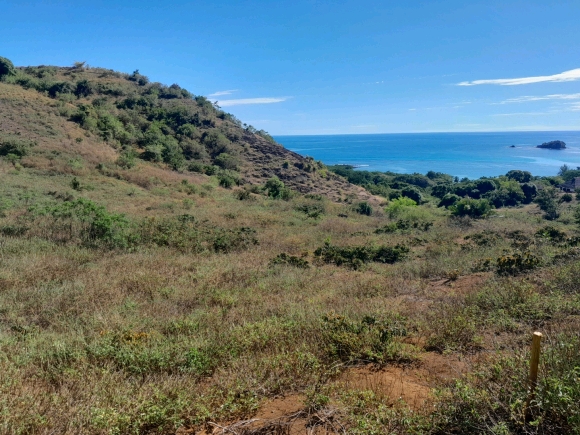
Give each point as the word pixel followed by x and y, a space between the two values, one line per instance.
pixel 509 190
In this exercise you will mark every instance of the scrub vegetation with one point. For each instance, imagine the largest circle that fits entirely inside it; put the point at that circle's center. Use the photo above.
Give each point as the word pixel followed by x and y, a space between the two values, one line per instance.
pixel 166 269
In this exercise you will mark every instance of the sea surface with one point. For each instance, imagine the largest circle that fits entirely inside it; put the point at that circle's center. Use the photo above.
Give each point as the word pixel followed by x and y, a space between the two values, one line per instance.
pixel 471 155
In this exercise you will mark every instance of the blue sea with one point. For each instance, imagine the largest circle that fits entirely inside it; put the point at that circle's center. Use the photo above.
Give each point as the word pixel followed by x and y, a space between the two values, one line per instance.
pixel 471 155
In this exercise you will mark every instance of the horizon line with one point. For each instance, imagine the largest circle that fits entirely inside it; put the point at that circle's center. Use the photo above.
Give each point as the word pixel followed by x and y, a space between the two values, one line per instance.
pixel 431 132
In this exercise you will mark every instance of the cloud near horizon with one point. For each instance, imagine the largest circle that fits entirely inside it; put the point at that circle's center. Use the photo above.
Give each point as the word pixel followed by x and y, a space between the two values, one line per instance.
pixel 227 103
pixel 566 76
pixel 527 98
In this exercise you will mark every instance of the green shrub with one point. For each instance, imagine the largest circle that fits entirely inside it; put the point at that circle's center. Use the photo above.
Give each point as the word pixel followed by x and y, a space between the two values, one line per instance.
pixel 403 225
pixel 551 233
pixel 475 208
pixel 516 263
pixel 91 223
pixel 227 161
pixel 356 256
pixel 16 147
pixel 370 339
pixel 566 198
pixel 312 209
pixel 456 330
pixel 364 208
pixel 547 200
pixel 396 206
pixel 6 68
pixel 449 200
pixel 412 193
pixel 277 189
pixel 290 260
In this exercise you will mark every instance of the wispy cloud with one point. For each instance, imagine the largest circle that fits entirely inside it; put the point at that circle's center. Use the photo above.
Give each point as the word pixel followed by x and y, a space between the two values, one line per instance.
pixel 523 114
pixel 527 98
pixel 220 93
pixel 227 103
pixel 566 76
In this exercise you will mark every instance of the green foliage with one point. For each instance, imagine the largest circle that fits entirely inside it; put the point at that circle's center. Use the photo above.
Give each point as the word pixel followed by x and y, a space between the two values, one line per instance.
pixel 290 260
pixel 449 200
pixel 15 146
pixel 519 176
pixel 312 209
pixel 412 193
pixel 127 159
pixel 566 198
pixel 551 233
pixel 87 221
pixel 475 208
pixel 516 263
pixel 547 200
pixel 456 330
pixel 228 179
pixel 227 161
pixel 404 225
pixel 396 206
pixel 277 189
pixel 6 68
pixel 370 339
pixel 364 208
pixel 356 256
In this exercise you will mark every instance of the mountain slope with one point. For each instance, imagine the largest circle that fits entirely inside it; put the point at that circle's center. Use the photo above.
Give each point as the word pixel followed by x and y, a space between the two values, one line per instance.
pixel 117 120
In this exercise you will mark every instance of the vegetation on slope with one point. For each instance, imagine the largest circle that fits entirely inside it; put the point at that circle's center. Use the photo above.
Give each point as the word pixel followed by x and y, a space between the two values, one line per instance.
pixel 148 300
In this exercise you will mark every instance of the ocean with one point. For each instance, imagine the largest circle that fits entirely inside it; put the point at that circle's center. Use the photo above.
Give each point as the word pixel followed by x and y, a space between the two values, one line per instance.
pixel 471 155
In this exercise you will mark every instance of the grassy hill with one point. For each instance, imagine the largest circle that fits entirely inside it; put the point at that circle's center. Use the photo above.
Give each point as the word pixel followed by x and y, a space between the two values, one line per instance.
pixel 143 291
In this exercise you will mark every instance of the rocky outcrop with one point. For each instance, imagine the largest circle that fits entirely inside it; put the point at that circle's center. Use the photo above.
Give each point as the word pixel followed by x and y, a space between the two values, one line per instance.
pixel 553 145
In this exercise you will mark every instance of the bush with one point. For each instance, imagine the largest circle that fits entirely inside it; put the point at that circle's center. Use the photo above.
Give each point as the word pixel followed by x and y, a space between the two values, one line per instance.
pixel 6 68
pixel 290 260
pixel 517 263
pixel 16 147
pixel 87 221
pixel 356 256
pixel 475 208
pixel 397 205
pixel 450 199
pixel 277 189
pixel 370 339
pixel 227 161
pixel 566 198
pixel 412 193
pixel 364 208
pixel 546 199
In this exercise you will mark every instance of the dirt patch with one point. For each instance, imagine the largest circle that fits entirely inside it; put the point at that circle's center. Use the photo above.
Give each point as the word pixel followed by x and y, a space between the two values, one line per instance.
pixel 462 285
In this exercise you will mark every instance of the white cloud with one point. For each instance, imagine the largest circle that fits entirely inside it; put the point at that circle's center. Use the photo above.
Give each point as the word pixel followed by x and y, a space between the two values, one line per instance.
pixel 220 93
pixel 527 98
pixel 566 76
pixel 226 103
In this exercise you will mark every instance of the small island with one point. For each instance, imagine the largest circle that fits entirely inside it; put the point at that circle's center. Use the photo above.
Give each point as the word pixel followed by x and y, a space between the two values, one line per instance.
pixel 553 145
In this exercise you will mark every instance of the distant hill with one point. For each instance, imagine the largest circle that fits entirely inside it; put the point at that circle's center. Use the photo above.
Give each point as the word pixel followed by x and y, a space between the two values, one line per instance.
pixel 115 120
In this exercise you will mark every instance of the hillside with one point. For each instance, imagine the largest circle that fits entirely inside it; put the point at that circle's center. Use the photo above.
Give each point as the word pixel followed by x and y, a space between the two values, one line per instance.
pixel 143 291
pixel 114 119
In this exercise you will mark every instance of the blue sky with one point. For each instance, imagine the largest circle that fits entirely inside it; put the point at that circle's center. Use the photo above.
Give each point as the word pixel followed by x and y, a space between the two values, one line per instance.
pixel 329 67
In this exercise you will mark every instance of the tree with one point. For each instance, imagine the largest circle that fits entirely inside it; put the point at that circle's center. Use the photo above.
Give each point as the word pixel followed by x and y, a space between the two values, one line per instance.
pixel 6 68
pixel 547 201
pixel 412 193
pixel 520 176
